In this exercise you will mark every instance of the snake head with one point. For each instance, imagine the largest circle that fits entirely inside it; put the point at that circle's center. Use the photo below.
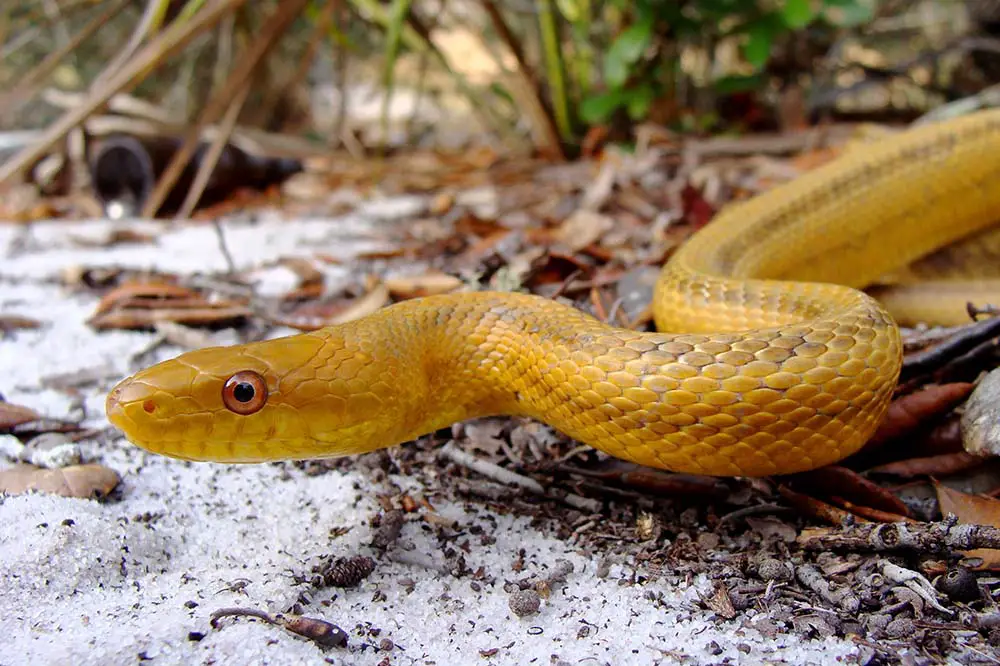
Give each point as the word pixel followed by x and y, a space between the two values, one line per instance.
pixel 251 403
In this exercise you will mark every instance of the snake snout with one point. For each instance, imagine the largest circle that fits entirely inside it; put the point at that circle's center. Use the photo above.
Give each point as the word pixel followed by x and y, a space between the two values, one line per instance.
pixel 126 393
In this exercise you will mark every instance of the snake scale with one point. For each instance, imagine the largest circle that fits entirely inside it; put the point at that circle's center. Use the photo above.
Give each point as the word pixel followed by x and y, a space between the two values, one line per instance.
pixel 767 359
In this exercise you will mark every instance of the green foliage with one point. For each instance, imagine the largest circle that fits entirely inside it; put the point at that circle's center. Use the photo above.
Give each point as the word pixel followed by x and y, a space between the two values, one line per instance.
pixel 639 63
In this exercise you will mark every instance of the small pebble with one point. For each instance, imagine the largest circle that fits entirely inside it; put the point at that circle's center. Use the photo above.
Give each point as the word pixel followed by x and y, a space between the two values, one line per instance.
pixel 524 602
pixel 773 569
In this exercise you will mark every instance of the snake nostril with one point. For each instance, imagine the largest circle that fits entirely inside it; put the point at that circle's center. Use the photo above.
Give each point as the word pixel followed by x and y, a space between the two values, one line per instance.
pixel 149 406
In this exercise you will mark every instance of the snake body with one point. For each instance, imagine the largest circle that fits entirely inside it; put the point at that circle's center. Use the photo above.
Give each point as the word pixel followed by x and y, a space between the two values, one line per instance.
pixel 767 358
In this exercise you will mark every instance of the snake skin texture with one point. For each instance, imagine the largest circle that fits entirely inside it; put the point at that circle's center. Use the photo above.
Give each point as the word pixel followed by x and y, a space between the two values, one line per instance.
pixel 768 360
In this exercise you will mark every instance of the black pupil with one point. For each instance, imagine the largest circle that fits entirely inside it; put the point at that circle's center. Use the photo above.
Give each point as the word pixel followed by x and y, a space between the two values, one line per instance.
pixel 243 392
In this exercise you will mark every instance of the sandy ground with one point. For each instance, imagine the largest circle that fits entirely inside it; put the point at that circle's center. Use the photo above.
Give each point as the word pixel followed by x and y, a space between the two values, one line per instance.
pixel 137 577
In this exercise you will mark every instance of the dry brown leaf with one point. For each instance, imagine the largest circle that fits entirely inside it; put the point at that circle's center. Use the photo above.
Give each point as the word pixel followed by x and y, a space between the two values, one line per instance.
pixel 697 210
pixel 318 315
pixel 720 602
pixel 811 506
pixel 428 284
pixel 910 412
pixel 441 203
pixel 12 415
pixel 131 293
pixel 942 465
pixel 972 510
pixel 143 305
pixel 841 482
pixel 582 228
pixel 85 481
pixel 144 318
pixel 14 323
pixel 377 297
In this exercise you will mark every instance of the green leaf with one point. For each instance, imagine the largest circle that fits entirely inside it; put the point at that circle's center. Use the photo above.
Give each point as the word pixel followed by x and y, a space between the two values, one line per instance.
pixel 728 85
pixel 757 48
pixel 797 13
pixel 638 100
pixel 598 108
pixel 848 13
pixel 626 50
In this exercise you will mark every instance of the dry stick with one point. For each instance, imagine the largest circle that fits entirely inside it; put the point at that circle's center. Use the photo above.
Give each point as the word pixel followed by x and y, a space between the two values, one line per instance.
pixel 507 477
pixel 150 21
pixel 273 29
pixel 529 79
pixel 964 341
pixel 211 159
pixel 941 537
pixel 150 58
pixel 27 87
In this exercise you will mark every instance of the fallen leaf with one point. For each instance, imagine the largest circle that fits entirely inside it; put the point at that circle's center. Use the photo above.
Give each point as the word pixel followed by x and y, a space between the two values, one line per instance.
pixel 441 203
pixel 14 323
pixel 314 316
pixel 144 304
pixel 428 284
pixel 972 510
pixel 910 412
pixel 12 415
pixel 942 465
pixel 834 480
pixel 720 602
pixel 554 268
pixel 811 506
pixel 132 293
pixel 86 481
pixel 697 211
pixel 582 228
pixel 131 319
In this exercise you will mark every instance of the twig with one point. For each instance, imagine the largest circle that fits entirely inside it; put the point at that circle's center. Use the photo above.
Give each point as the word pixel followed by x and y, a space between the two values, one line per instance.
pixel 318 631
pixel 967 339
pixel 811 576
pixel 941 537
pixel 507 477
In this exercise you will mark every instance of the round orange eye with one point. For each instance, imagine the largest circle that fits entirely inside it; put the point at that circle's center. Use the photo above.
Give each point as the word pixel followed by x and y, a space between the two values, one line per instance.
pixel 245 392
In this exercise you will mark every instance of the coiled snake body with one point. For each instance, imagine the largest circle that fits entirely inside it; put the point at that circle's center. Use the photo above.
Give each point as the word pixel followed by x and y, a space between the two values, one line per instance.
pixel 768 359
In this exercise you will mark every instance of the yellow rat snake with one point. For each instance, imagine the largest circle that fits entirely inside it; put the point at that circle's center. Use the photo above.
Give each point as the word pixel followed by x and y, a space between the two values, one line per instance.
pixel 767 360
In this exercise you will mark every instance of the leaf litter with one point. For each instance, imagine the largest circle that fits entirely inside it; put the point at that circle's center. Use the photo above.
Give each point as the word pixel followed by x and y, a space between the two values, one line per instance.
pixel 593 233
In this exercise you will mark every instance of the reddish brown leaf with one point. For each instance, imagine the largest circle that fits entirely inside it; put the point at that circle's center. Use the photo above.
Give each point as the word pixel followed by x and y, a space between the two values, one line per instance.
pixel 133 292
pixel 837 481
pixel 872 514
pixel 972 510
pixel 144 304
pixel 593 141
pixel 126 318
pixel 910 412
pixel 815 508
pixel 697 211
pixel 942 465
pixel 555 268
pixel 12 415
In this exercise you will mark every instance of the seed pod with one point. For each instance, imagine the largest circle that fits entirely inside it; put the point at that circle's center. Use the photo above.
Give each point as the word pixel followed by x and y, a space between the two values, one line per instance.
pixel 348 572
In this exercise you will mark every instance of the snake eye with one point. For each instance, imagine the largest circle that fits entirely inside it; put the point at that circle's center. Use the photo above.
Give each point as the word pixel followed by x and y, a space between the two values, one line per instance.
pixel 244 393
